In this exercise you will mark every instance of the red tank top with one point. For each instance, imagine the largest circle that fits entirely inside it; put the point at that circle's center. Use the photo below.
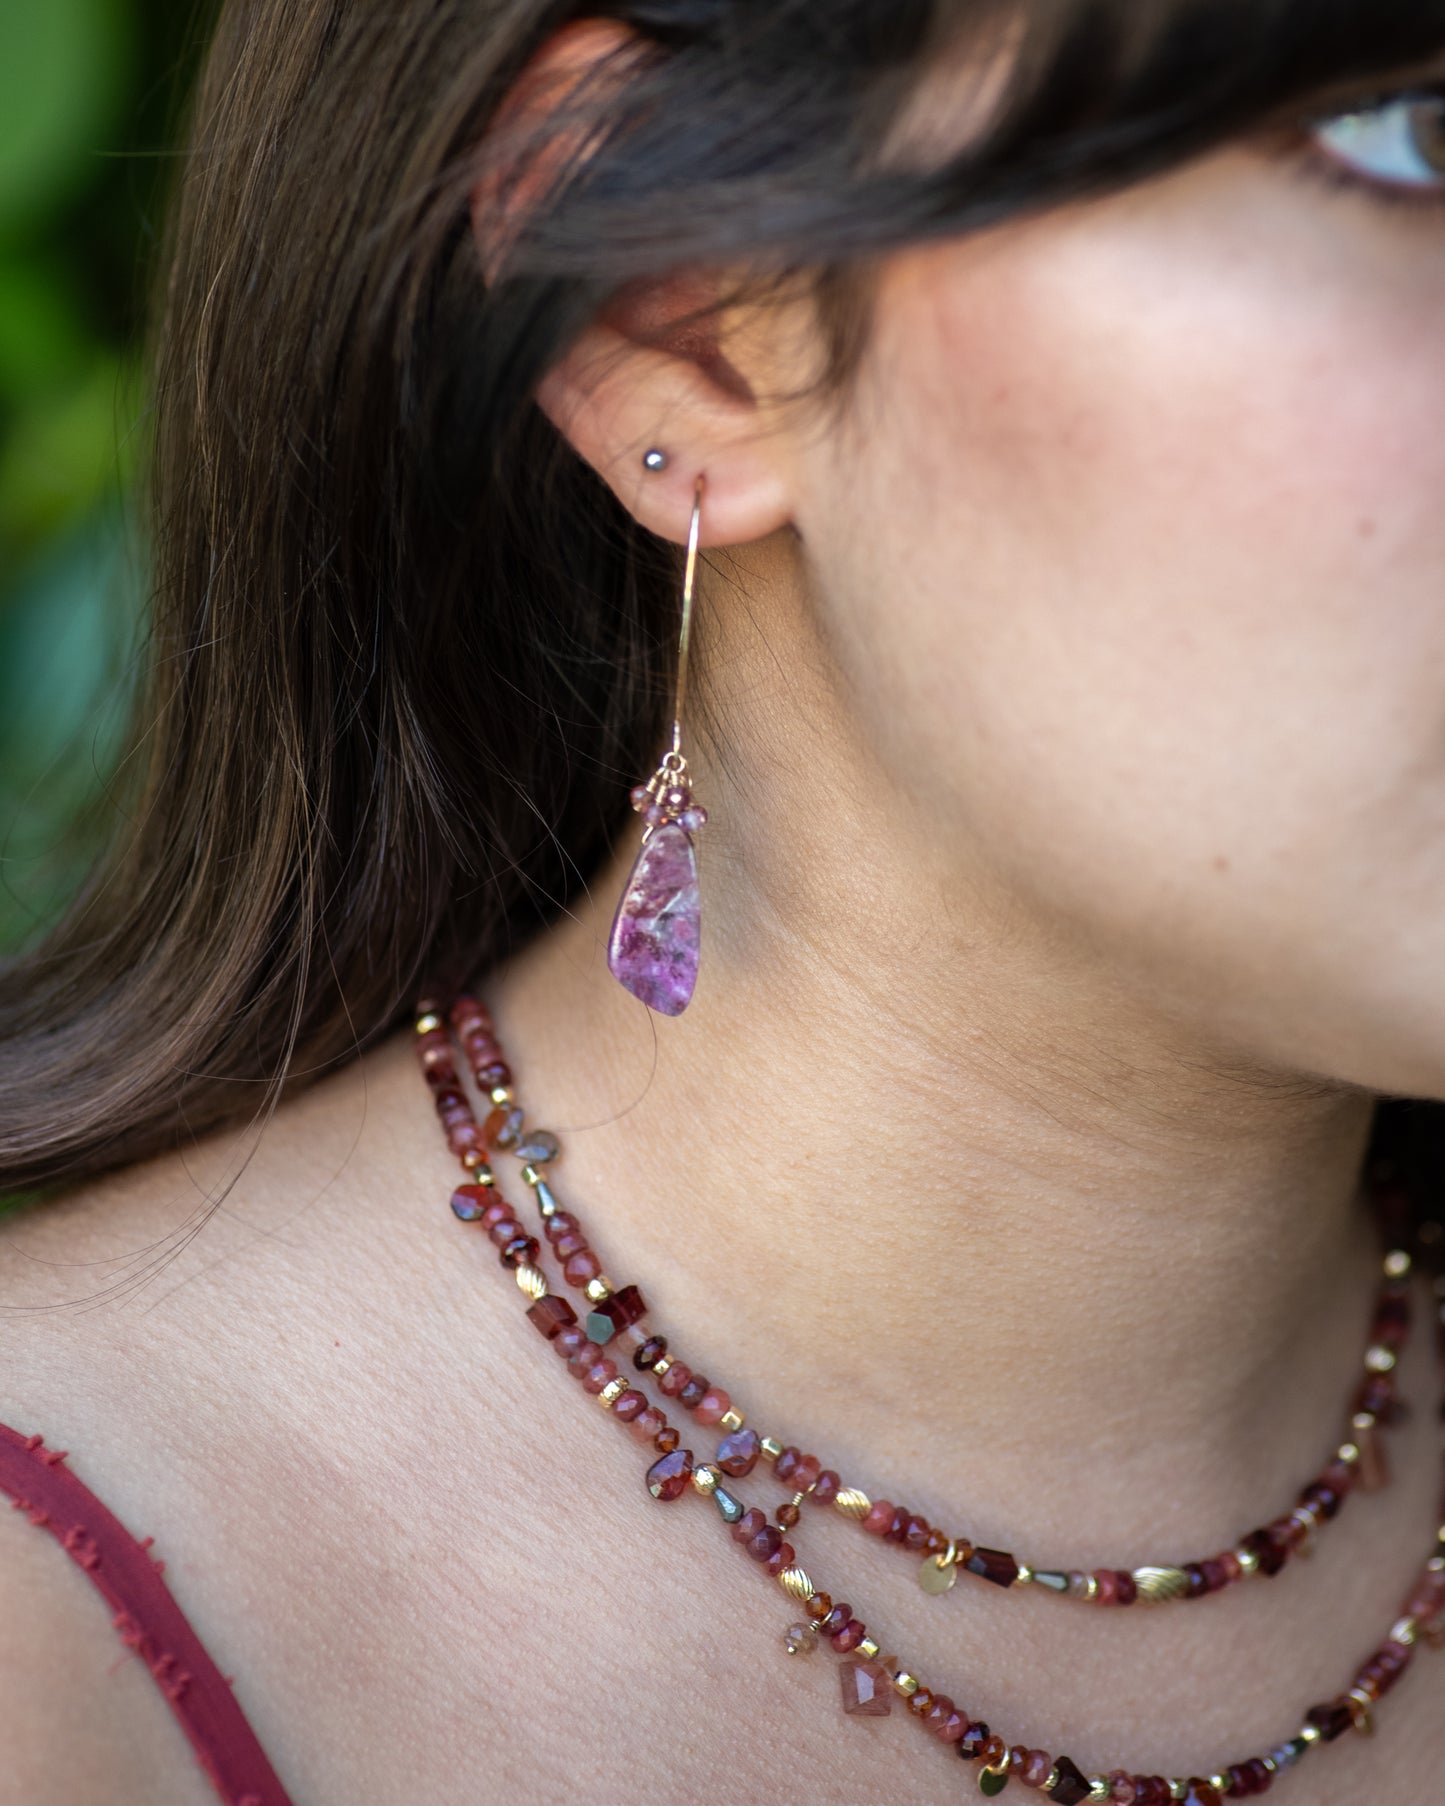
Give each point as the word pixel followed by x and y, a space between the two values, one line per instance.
pixel 145 1614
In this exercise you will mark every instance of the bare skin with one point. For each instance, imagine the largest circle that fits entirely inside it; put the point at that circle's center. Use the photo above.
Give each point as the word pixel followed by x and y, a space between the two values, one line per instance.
pixel 1006 1157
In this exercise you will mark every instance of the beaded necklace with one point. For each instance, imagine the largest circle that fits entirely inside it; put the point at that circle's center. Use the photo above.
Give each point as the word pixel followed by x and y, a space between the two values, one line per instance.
pixel 870 1681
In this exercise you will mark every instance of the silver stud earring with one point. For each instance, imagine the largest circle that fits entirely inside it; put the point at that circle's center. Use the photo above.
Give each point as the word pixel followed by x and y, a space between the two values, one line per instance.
pixel 655 459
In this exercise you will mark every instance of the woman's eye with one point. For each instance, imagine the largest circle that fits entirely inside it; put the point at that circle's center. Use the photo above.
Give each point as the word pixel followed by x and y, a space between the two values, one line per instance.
pixel 1397 144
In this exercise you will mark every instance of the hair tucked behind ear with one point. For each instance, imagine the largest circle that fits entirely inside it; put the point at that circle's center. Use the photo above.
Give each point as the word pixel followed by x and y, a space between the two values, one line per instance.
pixel 407 653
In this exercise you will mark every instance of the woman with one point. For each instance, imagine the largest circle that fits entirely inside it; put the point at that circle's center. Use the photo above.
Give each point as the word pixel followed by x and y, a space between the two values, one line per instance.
pixel 1054 392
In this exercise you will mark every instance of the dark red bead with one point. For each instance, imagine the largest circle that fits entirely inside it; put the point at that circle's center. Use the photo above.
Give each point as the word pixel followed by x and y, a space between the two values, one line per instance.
pixel 916 1535
pixel 996 1565
pixel 1071 1787
pixel 520 1251
pixel 1324 1500
pixel 851 1635
pixel 970 1745
pixel 560 1223
pixel 1128 1587
pixel 505 1231
pixel 496 1072
pixel 650 1353
pixel 573 1242
pixel 1216 1575
pixel 610 1316
pixel 569 1339
pixel 1262 1545
pixel 1153 1790
pixel 666 1439
pixel 1249 1779
pixel 1201 1793
pixel 898 1529
pixel 786 1462
pixel 765 1543
pixel 737 1455
pixel 827 1489
pixel 627 1405
pixel 836 1619
pixel 748 1525
pixel 694 1391
pixel 667 1478
pixel 1392 1318
pixel 551 1315
pixel 586 1353
pixel 1331 1720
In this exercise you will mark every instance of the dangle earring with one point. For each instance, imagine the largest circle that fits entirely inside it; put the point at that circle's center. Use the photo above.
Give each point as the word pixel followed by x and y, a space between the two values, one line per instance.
pixel 653 947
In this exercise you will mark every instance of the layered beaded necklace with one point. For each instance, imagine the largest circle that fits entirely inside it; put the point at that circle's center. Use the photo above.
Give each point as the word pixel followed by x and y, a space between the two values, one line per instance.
pixel 616 1317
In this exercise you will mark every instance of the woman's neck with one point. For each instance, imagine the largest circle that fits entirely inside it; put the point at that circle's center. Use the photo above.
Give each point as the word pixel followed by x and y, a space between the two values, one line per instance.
pixel 932 1191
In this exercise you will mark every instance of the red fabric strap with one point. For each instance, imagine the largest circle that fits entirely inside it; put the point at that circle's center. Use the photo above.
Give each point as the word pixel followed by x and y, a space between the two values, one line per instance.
pixel 145 1614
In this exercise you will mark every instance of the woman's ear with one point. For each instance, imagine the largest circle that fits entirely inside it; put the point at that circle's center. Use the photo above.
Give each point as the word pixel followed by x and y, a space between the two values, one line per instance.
pixel 653 369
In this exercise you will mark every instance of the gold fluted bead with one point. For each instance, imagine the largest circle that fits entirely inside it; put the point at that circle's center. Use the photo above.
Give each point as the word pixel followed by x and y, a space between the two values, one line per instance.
pixel 611 1392
pixel 706 1478
pixel 532 1280
pixel 599 1288
pixel 425 1024
pixel 1158 1584
pixel 731 1421
pixel 1397 1264
pixel 868 1648
pixel 770 1445
pixel 852 1503
pixel 796 1584
pixel 501 1094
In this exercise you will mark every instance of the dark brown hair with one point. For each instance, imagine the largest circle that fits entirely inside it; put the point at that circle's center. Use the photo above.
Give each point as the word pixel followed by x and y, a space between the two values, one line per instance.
pixel 407 654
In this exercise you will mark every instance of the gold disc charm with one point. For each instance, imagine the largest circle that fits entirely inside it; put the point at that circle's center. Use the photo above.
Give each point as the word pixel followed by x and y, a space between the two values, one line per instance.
pixel 937 1574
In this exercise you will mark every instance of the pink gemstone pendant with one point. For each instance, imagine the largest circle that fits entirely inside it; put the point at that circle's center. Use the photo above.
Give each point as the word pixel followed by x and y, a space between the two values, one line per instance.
pixel 656 933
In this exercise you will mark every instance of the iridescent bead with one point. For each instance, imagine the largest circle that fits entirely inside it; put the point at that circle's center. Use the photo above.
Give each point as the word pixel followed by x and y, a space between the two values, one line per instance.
pixel 801 1639
pixel 568 1340
pixel 538 1146
pixel 469 1201
pixel 694 1392
pixel 650 1353
pixel 520 1251
pixel 583 1357
pixel 560 1223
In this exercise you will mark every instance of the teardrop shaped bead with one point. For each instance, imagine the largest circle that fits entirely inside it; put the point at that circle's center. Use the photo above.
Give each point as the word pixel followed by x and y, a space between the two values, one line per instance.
pixel 539 1147
pixel 653 947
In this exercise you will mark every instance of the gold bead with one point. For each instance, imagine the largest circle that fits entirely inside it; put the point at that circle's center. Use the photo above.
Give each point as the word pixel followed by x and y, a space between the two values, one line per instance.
pixel 660 1366
pixel 1100 1787
pixel 1406 1631
pixel 868 1649
pixel 1053 1779
pixel 852 1503
pixel 1220 1783
pixel 1362 1422
pixel 905 1683
pixel 796 1584
pixel 611 1392
pixel 599 1288
pixel 771 1447
pixel 532 1280
pixel 937 1574
pixel 1380 1359
pixel 501 1094
pixel 1349 1453
pixel 1397 1264
pixel 798 1498
pixel 425 1024
pixel 1247 1560
pixel 1178 1790
pixel 731 1421
pixel 1308 1733
pixel 530 1174
pixel 1309 1524
pixel 1025 1575
pixel 1435 1565
pixel 475 1161
pixel 1091 1588
pixel 706 1478
pixel 1158 1584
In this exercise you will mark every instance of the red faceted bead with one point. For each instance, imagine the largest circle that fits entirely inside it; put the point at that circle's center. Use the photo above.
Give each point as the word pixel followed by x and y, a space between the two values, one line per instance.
pixel 839 1616
pixel 867 1691
pixel 560 1223
pixel 551 1315
pixel 1331 1720
pixel 496 1212
pixel 1201 1793
pixel 785 1463
pixel 578 1268
pixel 916 1535
pixel 694 1392
pixel 673 1381
pixel 503 1232
pixel 737 1454
pixel 827 1489
pixel 647 1424
pixel 805 1473
pixel 628 1405
pixel 1108 1587
pixel 851 1635
pixel 972 1742
pixel 938 1712
pixel 668 1477
pixel 599 1376
pixel 712 1407
pixel 666 1439
pixel 569 1339
pixel 879 1517
pixel 579 1362
pixel 748 1525
pixel 1249 1779
pixel 1036 1768
pixel 1128 1587
pixel 782 1557
pixel 767 1540
pixel 521 1251
pixel 898 1529
pixel 1122 1790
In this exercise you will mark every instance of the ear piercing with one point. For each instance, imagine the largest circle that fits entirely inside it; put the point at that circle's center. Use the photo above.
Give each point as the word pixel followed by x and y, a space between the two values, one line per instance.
pixel 655 459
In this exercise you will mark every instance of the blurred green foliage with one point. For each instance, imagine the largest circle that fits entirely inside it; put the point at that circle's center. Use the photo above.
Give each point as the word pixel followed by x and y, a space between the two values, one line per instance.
pixel 89 97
